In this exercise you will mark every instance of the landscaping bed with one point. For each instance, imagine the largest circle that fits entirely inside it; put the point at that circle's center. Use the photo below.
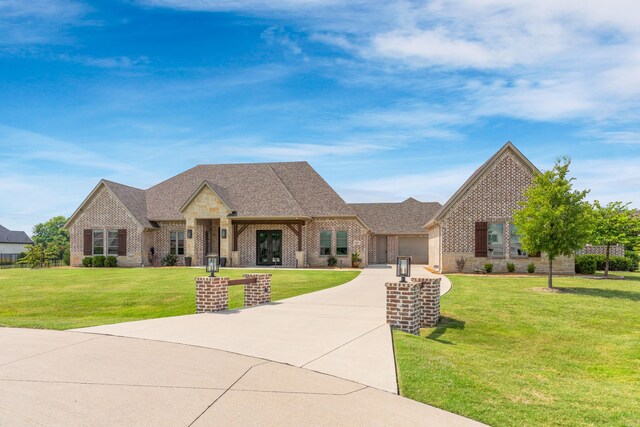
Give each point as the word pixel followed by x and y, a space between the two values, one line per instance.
pixel 506 353
pixel 65 298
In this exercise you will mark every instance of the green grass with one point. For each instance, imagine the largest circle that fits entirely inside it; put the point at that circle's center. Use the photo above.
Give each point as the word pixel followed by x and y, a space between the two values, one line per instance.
pixel 65 298
pixel 508 354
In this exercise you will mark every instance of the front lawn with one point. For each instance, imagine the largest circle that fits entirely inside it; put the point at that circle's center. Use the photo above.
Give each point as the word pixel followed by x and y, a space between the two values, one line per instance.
pixel 65 298
pixel 509 353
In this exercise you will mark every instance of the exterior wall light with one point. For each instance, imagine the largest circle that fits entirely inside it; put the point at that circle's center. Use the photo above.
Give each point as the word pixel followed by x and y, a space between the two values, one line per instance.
pixel 403 267
pixel 213 265
pixel 223 233
pixel 189 233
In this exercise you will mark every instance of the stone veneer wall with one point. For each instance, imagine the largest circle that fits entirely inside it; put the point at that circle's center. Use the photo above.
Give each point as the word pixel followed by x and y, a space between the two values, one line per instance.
pixel 492 198
pixel 104 212
pixel 357 235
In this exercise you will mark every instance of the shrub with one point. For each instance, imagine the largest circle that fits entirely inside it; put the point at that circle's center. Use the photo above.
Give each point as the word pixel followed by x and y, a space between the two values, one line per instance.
pixel 98 260
pixel 511 267
pixel 170 260
pixel 66 256
pixel 488 267
pixel 619 263
pixel 531 268
pixel 87 261
pixel 355 256
pixel 634 260
pixel 460 262
pixel 586 264
pixel 332 261
pixel 111 261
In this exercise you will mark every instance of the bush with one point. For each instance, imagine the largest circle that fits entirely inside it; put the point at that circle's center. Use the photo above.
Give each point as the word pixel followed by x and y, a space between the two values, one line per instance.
pixel 87 261
pixel 98 260
pixel 460 262
pixel 66 256
pixel 170 260
pixel 332 261
pixel 634 260
pixel 586 264
pixel 619 263
pixel 488 267
pixel 511 267
pixel 111 261
pixel 531 268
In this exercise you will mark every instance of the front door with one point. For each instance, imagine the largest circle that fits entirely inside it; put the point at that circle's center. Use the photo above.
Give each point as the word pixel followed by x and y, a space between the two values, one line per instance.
pixel 381 249
pixel 269 247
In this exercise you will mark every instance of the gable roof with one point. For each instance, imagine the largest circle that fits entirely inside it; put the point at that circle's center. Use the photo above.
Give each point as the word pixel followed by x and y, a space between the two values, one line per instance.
pixel 508 147
pixel 133 199
pixel 407 217
pixel 9 236
pixel 291 189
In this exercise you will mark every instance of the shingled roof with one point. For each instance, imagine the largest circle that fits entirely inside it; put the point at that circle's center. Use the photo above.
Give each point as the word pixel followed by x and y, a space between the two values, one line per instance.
pixel 407 217
pixel 8 236
pixel 291 189
pixel 275 190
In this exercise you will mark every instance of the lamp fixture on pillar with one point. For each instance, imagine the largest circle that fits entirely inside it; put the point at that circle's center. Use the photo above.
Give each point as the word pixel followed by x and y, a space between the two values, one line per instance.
pixel 403 267
pixel 213 265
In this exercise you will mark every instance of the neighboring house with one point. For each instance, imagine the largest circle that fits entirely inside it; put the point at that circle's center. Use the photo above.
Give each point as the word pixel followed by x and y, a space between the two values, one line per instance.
pixel 13 242
pixel 614 250
pixel 286 214
pixel 475 224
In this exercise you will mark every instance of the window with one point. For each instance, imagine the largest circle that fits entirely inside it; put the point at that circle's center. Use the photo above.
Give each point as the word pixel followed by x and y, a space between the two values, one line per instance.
pixel 495 239
pixel 98 242
pixel 176 244
pixel 341 243
pixel 325 242
pixel 112 242
pixel 515 247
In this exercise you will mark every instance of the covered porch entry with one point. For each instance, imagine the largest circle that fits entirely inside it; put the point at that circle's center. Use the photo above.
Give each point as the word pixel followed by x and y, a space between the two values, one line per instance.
pixel 268 242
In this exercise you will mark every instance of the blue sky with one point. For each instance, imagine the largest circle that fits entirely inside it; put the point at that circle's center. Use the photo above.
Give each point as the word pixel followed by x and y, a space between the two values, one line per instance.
pixel 385 99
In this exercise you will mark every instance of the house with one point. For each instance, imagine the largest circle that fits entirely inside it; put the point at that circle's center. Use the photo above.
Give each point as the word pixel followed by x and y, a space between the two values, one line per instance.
pixel 13 242
pixel 476 224
pixel 286 214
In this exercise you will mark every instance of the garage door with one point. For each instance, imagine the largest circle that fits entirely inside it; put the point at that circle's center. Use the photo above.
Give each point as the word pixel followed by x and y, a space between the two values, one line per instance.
pixel 416 247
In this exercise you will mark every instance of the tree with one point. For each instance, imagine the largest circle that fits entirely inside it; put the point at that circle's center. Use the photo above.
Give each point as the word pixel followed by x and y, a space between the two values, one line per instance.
pixel 39 256
pixel 52 236
pixel 614 224
pixel 553 218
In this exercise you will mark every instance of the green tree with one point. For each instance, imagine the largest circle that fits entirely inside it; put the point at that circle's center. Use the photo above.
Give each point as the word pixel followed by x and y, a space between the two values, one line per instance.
pixel 39 256
pixel 614 224
pixel 553 218
pixel 52 236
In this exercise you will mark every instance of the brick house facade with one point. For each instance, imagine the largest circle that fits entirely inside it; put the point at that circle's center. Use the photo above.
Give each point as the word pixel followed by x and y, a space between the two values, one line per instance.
pixel 487 201
pixel 286 214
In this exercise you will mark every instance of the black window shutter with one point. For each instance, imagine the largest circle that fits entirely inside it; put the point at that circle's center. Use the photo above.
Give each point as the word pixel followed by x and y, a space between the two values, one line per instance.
pixel 88 242
pixel 122 242
pixel 481 239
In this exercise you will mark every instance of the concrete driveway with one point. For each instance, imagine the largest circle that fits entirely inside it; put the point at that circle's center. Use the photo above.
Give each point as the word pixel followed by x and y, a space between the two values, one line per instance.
pixel 322 359
pixel 340 331
pixel 74 379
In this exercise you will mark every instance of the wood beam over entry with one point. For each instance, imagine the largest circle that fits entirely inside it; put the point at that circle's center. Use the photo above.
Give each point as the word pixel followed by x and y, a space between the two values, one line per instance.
pixel 294 225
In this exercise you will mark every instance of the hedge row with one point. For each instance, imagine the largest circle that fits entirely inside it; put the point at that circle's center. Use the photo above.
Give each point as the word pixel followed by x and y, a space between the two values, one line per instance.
pixel 100 261
pixel 589 264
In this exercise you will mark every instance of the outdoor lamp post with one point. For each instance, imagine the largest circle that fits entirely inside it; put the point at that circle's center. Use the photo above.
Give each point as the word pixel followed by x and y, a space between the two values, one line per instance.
pixel 403 267
pixel 213 265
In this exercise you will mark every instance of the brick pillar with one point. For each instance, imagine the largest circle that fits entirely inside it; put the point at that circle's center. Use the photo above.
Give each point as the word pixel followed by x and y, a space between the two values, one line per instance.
pixel 259 292
pixel 212 294
pixel 429 300
pixel 403 306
